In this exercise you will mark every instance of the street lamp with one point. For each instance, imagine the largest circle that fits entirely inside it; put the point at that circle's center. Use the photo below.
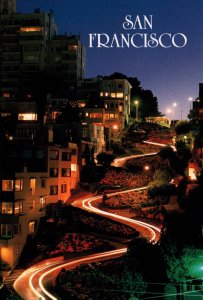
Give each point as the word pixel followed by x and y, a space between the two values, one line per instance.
pixel 136 106
pixel 114 127
pixel 190 99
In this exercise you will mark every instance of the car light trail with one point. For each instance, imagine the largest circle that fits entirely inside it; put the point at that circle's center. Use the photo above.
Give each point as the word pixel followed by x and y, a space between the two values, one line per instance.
pixel 73 264
pixel 87 204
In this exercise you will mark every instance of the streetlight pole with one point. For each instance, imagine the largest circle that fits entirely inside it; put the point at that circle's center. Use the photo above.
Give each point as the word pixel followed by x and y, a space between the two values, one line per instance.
pixel 136 106
pixel 190 99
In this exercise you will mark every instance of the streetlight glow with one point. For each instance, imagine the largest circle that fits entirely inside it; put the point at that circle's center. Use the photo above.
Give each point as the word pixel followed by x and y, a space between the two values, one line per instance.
pixel 136 105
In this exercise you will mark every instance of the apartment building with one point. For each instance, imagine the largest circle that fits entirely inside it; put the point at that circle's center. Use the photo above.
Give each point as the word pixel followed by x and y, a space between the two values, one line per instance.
pixel 31 176
pixel 66 56
pixel 29 44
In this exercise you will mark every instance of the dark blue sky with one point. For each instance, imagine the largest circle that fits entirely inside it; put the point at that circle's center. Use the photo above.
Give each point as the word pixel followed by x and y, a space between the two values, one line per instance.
pixel 172 74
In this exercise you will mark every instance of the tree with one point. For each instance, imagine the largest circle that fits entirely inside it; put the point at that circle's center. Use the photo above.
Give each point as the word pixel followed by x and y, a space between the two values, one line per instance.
pixel 105 159
pixel 183 127
pixel 72 113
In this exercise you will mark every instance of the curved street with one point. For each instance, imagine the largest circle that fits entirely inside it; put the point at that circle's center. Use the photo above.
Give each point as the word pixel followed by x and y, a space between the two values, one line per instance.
pixel 37 282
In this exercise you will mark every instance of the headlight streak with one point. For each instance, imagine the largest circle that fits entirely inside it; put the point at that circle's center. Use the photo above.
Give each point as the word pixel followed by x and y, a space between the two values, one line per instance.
pixel 87 204
pixel 109 254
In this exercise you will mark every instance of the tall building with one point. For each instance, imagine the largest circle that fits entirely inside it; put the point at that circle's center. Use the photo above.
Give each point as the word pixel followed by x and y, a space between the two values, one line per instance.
pixel 66 56
pixel 7 6
pixel 29 45
pixel 31 176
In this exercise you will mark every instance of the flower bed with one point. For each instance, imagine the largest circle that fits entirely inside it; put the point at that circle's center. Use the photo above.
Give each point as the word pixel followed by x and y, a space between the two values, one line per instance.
pixel 103 225
pixel 76 243
pixel 125 179
pixel 132 199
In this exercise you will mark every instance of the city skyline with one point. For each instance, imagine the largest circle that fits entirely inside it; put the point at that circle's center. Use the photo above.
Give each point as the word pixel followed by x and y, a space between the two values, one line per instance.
pixel 173 74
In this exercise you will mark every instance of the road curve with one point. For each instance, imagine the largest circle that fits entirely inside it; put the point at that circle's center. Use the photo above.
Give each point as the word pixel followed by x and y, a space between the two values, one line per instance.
pixel 32 283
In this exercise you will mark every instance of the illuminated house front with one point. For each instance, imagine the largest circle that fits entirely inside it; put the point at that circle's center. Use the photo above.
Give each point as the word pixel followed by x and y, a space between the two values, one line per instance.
pixel 31 177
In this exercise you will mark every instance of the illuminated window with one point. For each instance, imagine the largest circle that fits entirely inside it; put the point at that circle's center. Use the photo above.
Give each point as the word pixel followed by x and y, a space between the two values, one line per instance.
pixel 107 116
pixel 6 95
pixel 42 201
pixel 106 105
pixel 7 185
pixel 27 117
pixel 111 116
pixel 7 208
pixel 101 94
pixel 113 95
pixel 66 156
pixel 30 29
pixel 120 108
pixel 86 114
pixel 18 185
pixel 116 116
pixel 126 97
pixel 95 116
pixel 106 94
pixel 72 47
pixel 53 172
pixel 63 188
pixel 119 95
pixel 53 189
pixel 54 154
pixel 32 185
pixel 73 167
pixel 65 172
pixel 6 230
pixel 18 207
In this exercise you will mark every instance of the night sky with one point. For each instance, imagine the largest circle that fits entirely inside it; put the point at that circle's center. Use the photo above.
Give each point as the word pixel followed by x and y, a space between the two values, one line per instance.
pixel 172 74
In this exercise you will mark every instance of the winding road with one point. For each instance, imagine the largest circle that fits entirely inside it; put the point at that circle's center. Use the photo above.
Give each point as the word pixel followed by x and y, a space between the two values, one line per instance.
pixel 37 282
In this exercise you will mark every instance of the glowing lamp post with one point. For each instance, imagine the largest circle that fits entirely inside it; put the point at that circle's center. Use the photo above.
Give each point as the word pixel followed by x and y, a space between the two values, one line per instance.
pixel 190 99
pixel 114 127
pixel 136 106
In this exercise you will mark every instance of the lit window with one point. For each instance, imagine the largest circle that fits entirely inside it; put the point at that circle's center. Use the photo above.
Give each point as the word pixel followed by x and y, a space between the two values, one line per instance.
pixel 106 105
pixel 120 108
pixel 32 185
pixel 42 201
pixel 126 97
pixel 119 95
pixel 107 116
pixel 18 185
pixel 66 156
pixel 101 94
pixel 27 117
pixel 116 116
pixel 111 116
pixel 53 172
pixel 106 94
pixel 86 114
pixel 7 208
pixel 6 95
pixel 113 95
pixel 18 207
pixel 63 188
pixel 73 167
pixel 7 185
pixel 53 189
pixel 72 47
pixel 65 172
pixel 30 29
pixel 54 154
